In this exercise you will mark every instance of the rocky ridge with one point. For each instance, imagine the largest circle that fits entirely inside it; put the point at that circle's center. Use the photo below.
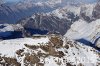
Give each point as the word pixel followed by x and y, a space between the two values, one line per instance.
pixel 48 50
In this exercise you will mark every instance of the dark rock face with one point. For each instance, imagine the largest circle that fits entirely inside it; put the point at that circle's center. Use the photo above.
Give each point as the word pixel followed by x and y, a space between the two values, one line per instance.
pixel 86 18
pixel 49 23
pixel 96 12
pixel 6 14
pixel 35 31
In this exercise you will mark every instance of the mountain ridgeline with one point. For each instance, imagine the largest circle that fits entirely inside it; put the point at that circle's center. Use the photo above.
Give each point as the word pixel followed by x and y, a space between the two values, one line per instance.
pixel 12 12
pixel 47 16
pixel 60 20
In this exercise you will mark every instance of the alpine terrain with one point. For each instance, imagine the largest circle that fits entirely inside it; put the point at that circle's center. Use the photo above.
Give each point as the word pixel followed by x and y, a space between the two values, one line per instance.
pixel 49 32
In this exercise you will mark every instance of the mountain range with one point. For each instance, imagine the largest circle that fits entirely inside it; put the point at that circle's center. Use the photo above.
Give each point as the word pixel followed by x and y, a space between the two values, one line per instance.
pixel 11 12
pixel 49 33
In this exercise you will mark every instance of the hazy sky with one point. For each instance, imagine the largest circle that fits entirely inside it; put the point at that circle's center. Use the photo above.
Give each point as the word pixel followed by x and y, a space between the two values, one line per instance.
pixel 79 0
pixel 12 0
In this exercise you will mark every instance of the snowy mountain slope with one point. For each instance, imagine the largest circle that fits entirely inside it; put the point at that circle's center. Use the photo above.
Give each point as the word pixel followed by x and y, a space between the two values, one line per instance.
pixel 46 51
pixel 49 16
pixel 31 3
pixel 86 9
pixel 59 20
pixel 10 27
pixel 7 30
pixel 63 12
pixel 17 44
pixel 25 8
pixel 83 30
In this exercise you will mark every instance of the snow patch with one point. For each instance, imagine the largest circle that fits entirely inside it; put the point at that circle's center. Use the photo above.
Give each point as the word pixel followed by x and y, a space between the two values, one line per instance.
pixel 9 47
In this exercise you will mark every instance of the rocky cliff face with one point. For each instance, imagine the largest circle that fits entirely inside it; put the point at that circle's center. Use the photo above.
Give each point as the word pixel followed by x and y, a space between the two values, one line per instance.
pixel 49 22
pixel 6 14
pixel 96 11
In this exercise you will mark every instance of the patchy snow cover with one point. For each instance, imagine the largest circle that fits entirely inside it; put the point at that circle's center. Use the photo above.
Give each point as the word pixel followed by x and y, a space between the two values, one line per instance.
pixel 50 61
pixel 9 47
pixel 72 53
pixel 59 13
pixel 9 27
pixel 6 28
pixel 62 12
pixel 52 3
pixel 87 9
pixel 32 3
pixel 74 9
pixel 80 53
pixel 81 29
